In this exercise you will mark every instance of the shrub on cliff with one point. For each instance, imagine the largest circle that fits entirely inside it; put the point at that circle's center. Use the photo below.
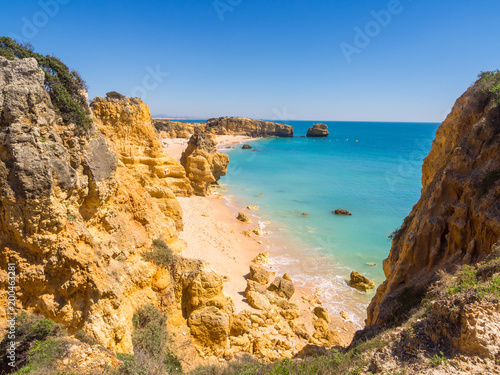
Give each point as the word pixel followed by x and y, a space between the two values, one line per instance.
pixel 149 340
pixel 37 343
pixel 490 82
pixel 114 95
pixel 65 87
pixel 161 255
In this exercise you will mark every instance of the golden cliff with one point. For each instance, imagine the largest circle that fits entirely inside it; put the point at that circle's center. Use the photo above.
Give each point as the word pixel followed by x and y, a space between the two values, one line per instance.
pixel 78 209
pixel 224 126
pixel 457 219
pixel 203 163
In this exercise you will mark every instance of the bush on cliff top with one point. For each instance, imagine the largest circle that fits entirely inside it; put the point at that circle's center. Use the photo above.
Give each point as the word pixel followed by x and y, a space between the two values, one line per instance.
pixel 115 95
pixel 66 88
pixel 490 82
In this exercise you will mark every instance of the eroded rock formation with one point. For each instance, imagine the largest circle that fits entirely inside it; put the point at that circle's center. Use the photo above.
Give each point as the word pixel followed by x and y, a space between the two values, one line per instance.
pixel 457 219
pixel 75 214
pixel 126 124
pixel 318 130
pixel 203 163
pixel 249 127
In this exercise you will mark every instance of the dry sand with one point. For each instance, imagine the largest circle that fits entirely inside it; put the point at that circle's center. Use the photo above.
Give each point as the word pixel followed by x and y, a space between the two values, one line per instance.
pixel 212 233
pixel 175 146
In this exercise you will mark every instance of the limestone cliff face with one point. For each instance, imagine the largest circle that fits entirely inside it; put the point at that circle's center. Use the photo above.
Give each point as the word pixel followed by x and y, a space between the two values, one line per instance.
pixel 457 219
pixel 126 123
pixel 73 219
pixel 203 163
pixel 246 126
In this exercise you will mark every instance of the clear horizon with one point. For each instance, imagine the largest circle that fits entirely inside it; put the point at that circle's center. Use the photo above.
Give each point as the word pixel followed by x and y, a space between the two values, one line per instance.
pixel 377 61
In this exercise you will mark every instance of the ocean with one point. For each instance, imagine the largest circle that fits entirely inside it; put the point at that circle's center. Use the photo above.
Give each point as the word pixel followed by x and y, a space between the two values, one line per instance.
pixel 372 169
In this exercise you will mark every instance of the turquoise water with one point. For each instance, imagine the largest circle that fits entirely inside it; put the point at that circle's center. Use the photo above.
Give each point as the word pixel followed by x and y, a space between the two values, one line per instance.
pixel 370 169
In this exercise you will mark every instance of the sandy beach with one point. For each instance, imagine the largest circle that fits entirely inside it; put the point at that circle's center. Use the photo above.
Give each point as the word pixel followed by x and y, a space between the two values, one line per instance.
pixel 175 146
pixel 212 233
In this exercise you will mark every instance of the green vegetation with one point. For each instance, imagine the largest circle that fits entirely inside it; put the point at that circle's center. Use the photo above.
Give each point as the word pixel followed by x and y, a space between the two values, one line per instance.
pixel 479 282
pixel 161 255
pixel 439 359
pixel 351 362
pixel 115 95
pixel 490 82
pixel 66 88
pixel 39 343
pixel 150 346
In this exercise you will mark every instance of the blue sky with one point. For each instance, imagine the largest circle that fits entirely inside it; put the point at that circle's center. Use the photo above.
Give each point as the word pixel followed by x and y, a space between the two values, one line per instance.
pixel 270 59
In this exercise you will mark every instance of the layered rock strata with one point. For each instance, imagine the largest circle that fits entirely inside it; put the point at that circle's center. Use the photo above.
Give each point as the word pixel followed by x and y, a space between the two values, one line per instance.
pixel 318 130
pixel 203 163
pixel 457 219
pixel 249 127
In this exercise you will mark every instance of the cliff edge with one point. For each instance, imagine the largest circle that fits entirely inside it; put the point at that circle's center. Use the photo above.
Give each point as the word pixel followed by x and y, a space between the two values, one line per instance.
pixel 457 219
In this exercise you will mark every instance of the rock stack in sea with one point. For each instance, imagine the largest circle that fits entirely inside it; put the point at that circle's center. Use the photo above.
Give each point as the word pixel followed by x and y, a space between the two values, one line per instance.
pixel 318 130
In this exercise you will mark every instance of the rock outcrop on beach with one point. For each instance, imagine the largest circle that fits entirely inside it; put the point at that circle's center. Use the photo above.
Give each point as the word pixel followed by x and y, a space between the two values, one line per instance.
pixel 203 163
pixel 318 130
pixel 249 127
pixel 457 219
pixel 278 327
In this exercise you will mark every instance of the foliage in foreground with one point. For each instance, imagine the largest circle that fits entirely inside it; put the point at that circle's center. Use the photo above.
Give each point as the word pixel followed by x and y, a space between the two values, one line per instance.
pixel 150 346
pixel 352 362
pixel 66 88
pixel 38 344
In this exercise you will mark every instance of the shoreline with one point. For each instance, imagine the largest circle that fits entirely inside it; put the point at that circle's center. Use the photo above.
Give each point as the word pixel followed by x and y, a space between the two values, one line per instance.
pixel 212 233
pixel 175 146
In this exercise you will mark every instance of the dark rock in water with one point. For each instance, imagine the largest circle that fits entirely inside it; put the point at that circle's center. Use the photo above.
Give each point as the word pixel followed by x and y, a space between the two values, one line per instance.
pixel 302 136
pixel 340 211
pixel 318 130
pixel 304 214
pixel 246 147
